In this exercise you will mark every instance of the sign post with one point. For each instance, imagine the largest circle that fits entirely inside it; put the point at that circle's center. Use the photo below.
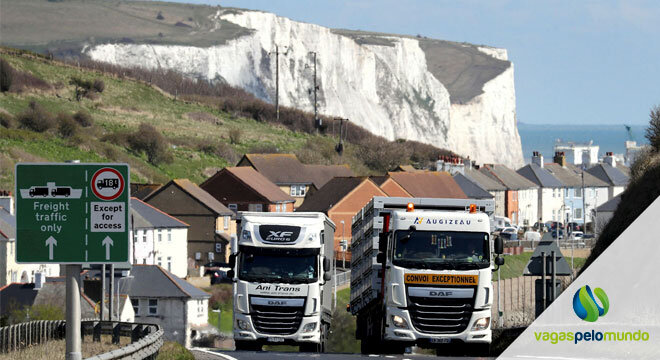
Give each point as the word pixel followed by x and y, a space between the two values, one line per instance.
pixel 72 214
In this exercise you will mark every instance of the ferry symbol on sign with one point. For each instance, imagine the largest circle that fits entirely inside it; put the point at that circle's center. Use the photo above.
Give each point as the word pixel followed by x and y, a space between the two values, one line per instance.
pixel 107 184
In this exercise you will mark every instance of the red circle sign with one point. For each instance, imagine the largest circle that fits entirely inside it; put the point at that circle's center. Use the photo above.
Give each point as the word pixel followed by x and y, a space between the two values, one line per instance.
pixel 107 184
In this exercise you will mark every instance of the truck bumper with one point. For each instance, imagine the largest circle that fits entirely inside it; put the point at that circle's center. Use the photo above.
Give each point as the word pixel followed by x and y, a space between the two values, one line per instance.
pixel 411 335
pixel 251 333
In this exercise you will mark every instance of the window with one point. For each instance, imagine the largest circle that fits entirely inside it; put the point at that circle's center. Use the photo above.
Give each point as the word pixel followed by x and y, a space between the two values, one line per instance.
pixel 218 248
pixel 298 190
pixel 160 261
pixel 198 256
pixel 169 235
pixel 135 236
pixel 169 263
pixel 144 261
pixel 233 207
pixel 226 221
pixel 566 192
pixel 136 306
pixel 255 207
pixel 277 208
pixel 578 213
pixel 144 235
pixel 200 307
pixel 153 306
pixel 578 192
pixel 160 235
pixel 554 215
pixel 211 256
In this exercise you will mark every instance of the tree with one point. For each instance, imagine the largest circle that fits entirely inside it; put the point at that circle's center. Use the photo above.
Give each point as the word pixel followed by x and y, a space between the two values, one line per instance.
pixel 149 140
pixel 653 131
pixel 6 75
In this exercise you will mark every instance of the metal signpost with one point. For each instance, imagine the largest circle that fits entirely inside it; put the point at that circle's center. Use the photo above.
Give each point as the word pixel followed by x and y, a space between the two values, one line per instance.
pixel 72 214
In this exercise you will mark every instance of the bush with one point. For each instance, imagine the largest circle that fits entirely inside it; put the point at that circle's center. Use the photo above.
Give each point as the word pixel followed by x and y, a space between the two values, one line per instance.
pixel 83 118
pixel 66 125
pixel 6 120
pixel 36 118
pixel 228 153
pixel 235 135
pixel 6 75
pixel 160 16
pixel 653 131
pixel 149 140
pixel 174 351
pixel 98 85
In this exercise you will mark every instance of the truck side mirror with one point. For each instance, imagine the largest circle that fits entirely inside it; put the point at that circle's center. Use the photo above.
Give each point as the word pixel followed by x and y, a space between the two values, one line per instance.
pixel 232 260
pixel 326 263
pixel 231 274
pixel 499 245
pixel 380 257
pixel 327 276
pixel 499 261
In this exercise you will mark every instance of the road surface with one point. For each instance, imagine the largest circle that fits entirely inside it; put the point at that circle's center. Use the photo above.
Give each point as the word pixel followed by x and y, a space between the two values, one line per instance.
pixel 214 354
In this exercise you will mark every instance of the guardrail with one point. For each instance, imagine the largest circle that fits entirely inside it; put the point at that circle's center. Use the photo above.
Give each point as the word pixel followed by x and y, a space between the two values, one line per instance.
pixel 343 277
pixel 146 339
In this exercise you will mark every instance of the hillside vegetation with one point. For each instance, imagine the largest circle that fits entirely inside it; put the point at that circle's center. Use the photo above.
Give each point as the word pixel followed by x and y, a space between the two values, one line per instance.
pixel 53 111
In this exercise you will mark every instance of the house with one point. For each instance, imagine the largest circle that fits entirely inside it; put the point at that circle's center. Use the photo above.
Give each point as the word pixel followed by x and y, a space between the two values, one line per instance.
pixel 492 186
pixel 244 189
pixel 609 172
pixel 292 176
pixel 605 212
pixel 13 297
pixel 428 184
pixel 521 196
pixel 391 187
pixel 159 297
pixel 340 199
pixel 53 293
pixel 471 189
pixel 582 190
pixel 211 223
pixel 10 271
pixel 158 239
pixel 550 200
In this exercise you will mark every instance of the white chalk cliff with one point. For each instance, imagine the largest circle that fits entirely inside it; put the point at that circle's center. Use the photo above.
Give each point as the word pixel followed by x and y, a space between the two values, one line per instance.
pixel 455 96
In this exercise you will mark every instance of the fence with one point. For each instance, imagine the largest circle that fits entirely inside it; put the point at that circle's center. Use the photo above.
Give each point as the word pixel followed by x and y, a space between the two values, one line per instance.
pixel 146 339
pixel 343 278
pixel 518 300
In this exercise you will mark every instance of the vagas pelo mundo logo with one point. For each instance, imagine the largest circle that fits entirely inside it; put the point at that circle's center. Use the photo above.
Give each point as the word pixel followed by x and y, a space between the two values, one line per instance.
pixel 588 309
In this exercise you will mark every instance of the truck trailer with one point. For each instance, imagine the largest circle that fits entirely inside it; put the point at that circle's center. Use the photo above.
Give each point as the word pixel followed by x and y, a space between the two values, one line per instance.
pixel 282 269
pixel 421 274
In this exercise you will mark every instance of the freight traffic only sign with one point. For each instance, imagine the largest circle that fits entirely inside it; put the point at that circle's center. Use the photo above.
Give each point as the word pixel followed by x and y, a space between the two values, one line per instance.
pixel 72 213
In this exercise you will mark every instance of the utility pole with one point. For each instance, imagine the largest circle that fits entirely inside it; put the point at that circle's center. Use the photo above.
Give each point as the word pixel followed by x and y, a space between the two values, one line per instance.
pixel 103 272
pixel 339 148
pixel 277 77
pixel 584 206
pixel 73 339
pixel 317 121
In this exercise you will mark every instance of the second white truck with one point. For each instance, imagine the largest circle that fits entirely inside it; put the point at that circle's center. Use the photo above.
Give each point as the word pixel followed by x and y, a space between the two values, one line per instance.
pixel 281 269
pixel 421 274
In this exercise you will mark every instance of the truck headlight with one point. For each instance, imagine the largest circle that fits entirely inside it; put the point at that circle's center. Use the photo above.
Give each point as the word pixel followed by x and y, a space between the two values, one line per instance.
pixel 247 235
pixel 243 325
pixel 399 322
pixel 481 324
pixel 309 327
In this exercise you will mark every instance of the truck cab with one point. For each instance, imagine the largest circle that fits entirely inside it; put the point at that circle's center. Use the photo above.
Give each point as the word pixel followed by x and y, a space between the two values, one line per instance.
pixel 281 269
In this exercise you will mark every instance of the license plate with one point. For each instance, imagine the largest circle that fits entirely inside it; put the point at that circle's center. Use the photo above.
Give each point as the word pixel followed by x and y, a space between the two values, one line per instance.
pixel 275 339
pixel 440 341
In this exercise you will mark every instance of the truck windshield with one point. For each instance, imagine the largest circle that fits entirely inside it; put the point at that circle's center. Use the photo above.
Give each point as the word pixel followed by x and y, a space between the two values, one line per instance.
pixel 441 250
pixel 291 266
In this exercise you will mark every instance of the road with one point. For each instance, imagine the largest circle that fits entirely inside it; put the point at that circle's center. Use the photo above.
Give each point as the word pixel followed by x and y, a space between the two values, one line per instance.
pixel 213 354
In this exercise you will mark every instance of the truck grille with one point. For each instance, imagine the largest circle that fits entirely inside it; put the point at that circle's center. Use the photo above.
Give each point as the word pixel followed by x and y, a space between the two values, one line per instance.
pixel 440 316
pixel 276 320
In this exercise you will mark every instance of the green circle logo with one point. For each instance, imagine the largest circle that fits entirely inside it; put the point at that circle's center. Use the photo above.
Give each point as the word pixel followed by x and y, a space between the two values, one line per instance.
pixel 585 305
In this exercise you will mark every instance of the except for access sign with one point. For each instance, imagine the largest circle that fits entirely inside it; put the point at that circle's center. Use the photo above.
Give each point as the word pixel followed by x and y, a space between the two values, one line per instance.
pixel 72 213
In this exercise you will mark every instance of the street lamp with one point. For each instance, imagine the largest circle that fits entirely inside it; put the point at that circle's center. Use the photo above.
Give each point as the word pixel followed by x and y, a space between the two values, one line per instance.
pixel 344 245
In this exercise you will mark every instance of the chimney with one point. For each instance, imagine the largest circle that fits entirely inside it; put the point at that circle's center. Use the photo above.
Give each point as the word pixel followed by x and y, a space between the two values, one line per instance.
pixel 451 164
pixel 609 159
pixel 537 159
pixel 560 158
pixel 7 201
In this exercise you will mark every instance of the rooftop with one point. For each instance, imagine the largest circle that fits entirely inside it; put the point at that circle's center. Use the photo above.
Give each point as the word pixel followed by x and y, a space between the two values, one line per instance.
pixel 471 189
pixel 283 169
pixel 258 183
pixel 331 193
pixel 611 205
pixel 540 176
pixel 154 281
pixel 197 193
pixel 507 177
pixel 429 184
pixel 146 216
pixel 609 174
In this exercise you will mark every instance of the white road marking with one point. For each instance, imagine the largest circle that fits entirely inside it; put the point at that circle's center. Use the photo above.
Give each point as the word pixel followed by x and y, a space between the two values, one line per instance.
pixel 224 356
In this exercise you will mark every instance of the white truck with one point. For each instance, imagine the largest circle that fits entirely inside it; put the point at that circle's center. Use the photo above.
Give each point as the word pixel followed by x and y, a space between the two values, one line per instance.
pixel 281 270
pixel 421 274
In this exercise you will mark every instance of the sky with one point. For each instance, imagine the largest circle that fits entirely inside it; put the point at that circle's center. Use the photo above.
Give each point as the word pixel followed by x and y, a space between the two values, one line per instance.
pixel 576 62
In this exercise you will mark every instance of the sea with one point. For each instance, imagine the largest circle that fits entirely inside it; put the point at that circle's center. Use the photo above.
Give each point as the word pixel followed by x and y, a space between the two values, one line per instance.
pixel 542 138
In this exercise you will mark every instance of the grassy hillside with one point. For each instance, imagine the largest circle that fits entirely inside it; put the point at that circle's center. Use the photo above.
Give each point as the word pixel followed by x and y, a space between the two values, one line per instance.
pixel 205 127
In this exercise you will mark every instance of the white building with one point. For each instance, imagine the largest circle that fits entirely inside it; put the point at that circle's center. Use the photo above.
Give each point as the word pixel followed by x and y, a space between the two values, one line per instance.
pixel 158 239
pixel 10 271
pixel 578 154
pixel 550 196
pixel 611 173
pixel 159 297
pixel 520 198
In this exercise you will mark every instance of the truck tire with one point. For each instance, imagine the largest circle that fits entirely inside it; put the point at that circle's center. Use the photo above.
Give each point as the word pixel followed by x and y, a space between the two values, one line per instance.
pixel 321 346
pixel 246 345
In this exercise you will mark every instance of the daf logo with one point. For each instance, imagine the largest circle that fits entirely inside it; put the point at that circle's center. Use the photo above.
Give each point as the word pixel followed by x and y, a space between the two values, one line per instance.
pixel 440 293
pixel 276 302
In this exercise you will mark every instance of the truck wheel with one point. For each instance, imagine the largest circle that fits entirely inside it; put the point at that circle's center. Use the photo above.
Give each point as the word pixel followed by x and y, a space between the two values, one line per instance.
pixel 246 346
pixel 366 348
pixel 394 349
